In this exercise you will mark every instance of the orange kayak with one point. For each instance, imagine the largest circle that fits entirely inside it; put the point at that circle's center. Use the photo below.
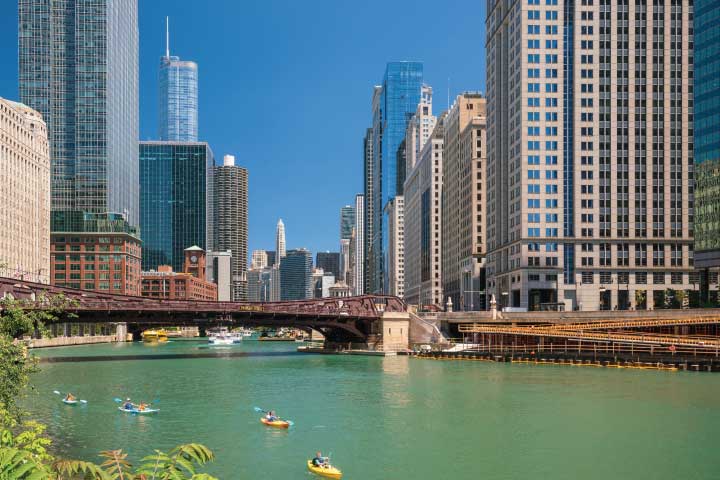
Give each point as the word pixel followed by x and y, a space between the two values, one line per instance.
pixel 275 423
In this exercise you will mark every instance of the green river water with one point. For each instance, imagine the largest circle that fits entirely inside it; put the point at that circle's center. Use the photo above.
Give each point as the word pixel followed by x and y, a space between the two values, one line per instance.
pixel 387 418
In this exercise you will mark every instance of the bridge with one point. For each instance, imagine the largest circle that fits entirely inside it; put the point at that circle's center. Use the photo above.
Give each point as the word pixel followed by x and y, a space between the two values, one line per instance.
pixel 358 320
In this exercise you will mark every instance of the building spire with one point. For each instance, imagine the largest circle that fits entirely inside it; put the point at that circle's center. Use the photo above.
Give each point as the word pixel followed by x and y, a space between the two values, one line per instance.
pixel 167 36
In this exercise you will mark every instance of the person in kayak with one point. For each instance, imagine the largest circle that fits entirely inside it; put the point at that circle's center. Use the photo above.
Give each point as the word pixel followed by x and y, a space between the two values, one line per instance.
pixel 70 397
pixel 319 460
pixel 128 404
pixel 271 417
pixel 142 406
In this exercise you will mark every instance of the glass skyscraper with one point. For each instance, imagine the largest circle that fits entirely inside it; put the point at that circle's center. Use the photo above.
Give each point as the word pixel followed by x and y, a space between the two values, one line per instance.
pixel 178 115
pixel 707 133
pixel 176 196
pixel 393 104
pixel 295 275
pixel 347 222
pixel 78 66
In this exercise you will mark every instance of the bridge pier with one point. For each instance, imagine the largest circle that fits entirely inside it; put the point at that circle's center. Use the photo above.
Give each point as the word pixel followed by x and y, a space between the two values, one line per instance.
pixel 395 331
pixel 121 331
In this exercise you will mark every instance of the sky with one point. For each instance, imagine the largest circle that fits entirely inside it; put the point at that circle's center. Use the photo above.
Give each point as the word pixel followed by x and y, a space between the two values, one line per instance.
pixel 286 87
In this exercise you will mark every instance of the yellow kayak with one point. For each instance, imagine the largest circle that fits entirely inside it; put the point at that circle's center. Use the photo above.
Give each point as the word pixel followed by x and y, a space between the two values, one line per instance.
pixel 328 472
pixel 275 423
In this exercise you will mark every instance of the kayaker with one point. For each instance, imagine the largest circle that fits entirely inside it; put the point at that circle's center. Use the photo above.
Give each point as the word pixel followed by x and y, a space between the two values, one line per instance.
pixel 319 460
pixel 142 406
pixel 128 404
pixel 70 397
pixel 271 417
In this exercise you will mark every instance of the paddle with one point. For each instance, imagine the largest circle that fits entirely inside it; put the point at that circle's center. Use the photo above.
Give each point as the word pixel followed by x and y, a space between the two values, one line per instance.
pixel 260 410
pixel 58 393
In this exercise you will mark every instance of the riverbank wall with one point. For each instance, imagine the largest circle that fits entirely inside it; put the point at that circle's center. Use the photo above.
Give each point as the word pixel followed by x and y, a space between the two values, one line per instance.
pixel 70 341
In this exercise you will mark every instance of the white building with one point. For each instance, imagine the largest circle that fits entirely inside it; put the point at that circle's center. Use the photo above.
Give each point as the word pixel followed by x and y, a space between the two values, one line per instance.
pixel 279 242
pixel 590 152
pixel 395 271
pixel 423 224
pixel 219 271
pixel 25 190
pixel 359 246
pixel 259 259
pixel 419 128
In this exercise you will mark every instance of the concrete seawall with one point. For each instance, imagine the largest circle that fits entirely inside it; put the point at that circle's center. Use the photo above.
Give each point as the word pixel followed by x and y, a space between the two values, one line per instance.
pixel 68 341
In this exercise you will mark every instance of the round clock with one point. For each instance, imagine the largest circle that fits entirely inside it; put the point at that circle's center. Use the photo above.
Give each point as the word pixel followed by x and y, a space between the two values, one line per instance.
pixel 193 259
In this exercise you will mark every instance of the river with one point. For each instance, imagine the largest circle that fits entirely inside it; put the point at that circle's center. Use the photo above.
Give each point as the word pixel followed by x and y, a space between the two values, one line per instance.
pixel 386 418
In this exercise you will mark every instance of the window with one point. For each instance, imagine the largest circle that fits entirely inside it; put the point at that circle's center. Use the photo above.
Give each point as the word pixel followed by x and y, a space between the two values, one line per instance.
pixel 533 232
pixel 533 189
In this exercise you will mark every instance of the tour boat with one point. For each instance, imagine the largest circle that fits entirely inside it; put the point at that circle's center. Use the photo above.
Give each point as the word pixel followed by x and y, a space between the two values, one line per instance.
pixel 153 336
pixel 221 336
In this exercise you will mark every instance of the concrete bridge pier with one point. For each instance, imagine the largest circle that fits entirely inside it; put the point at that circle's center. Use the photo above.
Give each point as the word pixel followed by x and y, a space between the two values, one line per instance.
pixel 395 331
pixel 121 331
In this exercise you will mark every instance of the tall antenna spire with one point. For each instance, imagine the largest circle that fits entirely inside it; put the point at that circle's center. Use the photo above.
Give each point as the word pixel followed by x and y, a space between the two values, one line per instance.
pixel 167 36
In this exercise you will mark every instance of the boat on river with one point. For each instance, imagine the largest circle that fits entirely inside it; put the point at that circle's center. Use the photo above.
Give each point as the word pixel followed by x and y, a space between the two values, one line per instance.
pixel 327 470
pixel 221 336
pixel 275 423
pixel 70 402
pixel 137 411
pixel 155 336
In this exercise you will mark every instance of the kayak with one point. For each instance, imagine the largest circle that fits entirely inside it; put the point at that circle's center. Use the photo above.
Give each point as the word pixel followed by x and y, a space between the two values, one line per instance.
pixel 275 423
pixel 70 402
pixel 329 471
pixel 141 412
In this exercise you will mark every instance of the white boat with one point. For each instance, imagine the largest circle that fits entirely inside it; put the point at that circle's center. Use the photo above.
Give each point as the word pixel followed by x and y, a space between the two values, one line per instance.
pixel 245 332
pixel 221 336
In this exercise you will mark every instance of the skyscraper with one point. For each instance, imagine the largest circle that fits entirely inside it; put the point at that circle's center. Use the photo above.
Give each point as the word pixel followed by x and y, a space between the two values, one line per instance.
pixel 463 203
pixel 359 247
pixel 231 220
pixel 589 169
pixel 329 262
pixel 707 135
pixel 25 188
pixel 79 68
pixel 367 265
pixel 422 223
pixel 393 103
pixel 176 191
pixel 347 221
pixel 395 261
pixel 280 242
pixel 259 259
pixel 419 128
pixel 178 115
pixel 295 275
pixel 344 260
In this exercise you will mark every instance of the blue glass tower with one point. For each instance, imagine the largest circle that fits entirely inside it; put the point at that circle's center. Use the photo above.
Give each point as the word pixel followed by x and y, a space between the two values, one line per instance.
pixel 78 66
pixel 176 196
pixel 707 133
pixel 178 114
pixel 393 104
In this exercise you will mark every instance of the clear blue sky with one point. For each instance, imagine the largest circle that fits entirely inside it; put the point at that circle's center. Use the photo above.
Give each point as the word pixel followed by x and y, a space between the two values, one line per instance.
pixel 286 87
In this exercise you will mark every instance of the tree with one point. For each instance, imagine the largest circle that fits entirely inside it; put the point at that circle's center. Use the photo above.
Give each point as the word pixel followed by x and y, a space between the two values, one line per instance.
pixel 16 368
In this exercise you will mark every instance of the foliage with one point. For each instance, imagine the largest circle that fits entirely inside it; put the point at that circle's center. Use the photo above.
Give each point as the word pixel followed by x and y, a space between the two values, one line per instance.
pixel 640 298
pixel 179 464
pixel 16 464
pixel 16 368
pixel 19 318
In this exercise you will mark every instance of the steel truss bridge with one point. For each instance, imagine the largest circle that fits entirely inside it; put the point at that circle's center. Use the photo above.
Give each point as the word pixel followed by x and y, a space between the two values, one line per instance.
pixel 342 320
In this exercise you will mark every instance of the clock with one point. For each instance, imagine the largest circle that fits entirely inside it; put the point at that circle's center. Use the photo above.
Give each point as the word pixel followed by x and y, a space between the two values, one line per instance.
pixel 193 259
